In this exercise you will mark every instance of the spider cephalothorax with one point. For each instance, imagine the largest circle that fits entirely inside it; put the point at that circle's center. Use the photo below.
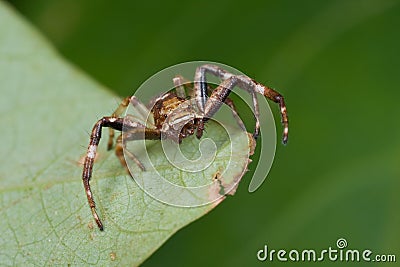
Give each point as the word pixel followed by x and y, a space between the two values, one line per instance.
pixel 175 116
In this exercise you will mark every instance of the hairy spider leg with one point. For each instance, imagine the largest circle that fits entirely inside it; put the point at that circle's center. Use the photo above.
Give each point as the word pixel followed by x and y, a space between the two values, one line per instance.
pixel 132 131
pixel 111 122
pixel 140 118
pixel 219 95
pixel 201 98
pixel 230 103
pixel 142 113
pixel 277 98
pixel 180 82
pixel 133 127
pixel 117 113
pixel 120 146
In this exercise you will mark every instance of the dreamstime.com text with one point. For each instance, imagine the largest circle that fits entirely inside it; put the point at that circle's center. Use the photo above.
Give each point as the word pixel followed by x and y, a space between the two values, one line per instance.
pixel 339 253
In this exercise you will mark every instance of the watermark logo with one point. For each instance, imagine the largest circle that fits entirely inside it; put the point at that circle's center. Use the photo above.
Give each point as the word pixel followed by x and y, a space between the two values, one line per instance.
pixel 340 253
pixel 175 102
pixel 341 243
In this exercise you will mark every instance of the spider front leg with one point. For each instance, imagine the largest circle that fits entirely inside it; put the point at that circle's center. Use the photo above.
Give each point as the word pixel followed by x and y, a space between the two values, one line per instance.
pixel 113 123
pixel 141 114
pixel 132 131
pixel 277 98
pixel 201 89
pixel 223 90
pixel 180 83
pixel 117 113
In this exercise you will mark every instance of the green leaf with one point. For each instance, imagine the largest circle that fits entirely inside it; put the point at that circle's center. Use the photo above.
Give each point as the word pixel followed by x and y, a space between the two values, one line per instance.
pixel 47 109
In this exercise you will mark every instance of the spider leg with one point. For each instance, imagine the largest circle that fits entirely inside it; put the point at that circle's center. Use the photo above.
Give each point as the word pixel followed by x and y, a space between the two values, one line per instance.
pixel 117 113
pixel 235 114
pixel 180 83
pixel 201 88
pixel 200 82
pixel 231 104
pixel 221 93
pixel 137 133
pixel 120 146
pixel 256 114
pixel 140 110
pixel 111 122
pixel 277 98
pixel 133 130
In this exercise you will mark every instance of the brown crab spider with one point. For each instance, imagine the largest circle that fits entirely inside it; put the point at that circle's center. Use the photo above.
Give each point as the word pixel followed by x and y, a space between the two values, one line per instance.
pixel 208 102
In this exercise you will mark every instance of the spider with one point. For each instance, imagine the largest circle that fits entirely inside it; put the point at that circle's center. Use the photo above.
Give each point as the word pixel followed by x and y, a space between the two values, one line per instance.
pixel 169 111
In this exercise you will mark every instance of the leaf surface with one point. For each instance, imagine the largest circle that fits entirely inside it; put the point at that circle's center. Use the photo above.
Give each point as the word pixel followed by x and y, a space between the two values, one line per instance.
pixel 47 109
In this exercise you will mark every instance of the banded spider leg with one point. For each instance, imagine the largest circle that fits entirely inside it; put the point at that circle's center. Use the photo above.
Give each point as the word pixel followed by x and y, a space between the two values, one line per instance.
pixel 133 130
pixel 180 84
pixel 209 106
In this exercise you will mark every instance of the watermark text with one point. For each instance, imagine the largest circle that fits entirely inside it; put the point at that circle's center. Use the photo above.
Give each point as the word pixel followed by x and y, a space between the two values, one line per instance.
pixel 339 253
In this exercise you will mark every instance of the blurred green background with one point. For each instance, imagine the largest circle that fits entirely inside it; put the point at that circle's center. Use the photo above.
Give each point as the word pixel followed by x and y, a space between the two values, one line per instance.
pixel 338 65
